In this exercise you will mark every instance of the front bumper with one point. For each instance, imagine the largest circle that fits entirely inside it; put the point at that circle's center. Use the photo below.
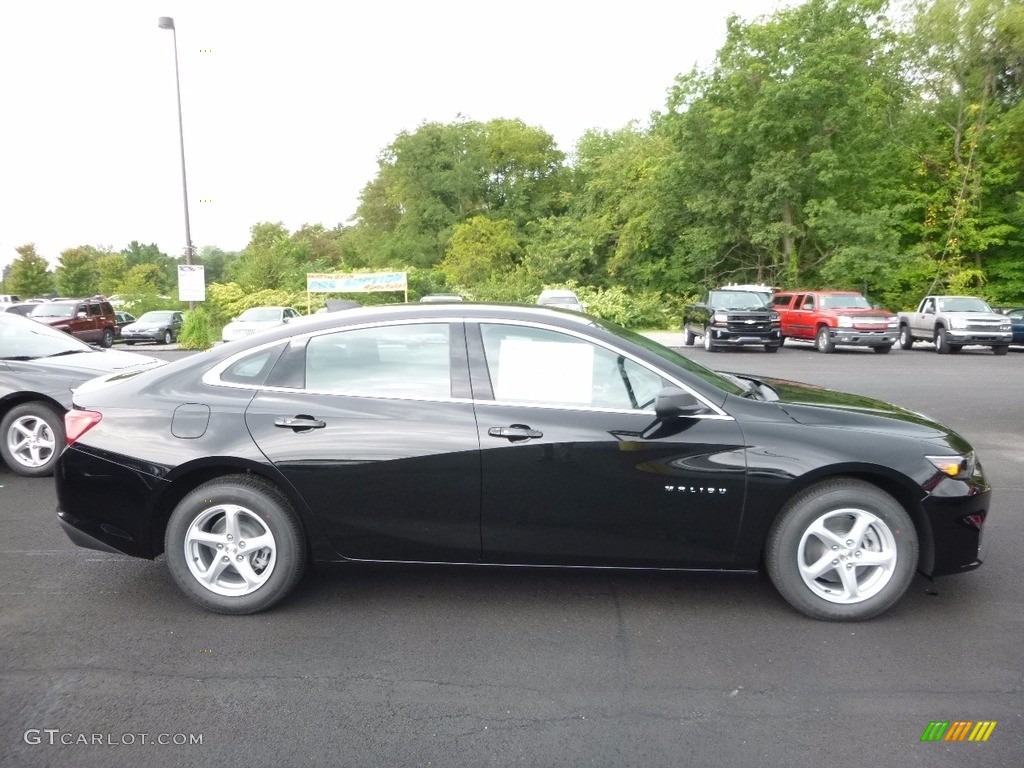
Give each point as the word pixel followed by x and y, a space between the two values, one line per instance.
pixel 854 338
pixel 154 335
pixel 724 337
pixel 955 513
pixel 994 338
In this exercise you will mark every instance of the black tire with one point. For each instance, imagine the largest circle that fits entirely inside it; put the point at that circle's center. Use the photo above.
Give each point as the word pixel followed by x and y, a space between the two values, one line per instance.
pixel 823 342
pixel 941 342
pixel 168 337
pixel 955 349
pixel 812 530
pixel 32 438
pixel 906 338
pixel 1002 349
pixel 884 349
pixel 259 510
pixel 688 336
pixel 130 343
pixel 107 340
pixel 772 347
pixel 709 345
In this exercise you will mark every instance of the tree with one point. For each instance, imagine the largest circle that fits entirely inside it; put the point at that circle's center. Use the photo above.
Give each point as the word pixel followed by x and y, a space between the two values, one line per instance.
pixel 29 274
pixel 479 250
pixel 77 273
pixel 272 260
pixel 784 150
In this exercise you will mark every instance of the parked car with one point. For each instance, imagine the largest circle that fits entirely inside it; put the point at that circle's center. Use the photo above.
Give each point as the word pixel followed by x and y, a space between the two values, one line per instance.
pixel 122 318
pixel 561 299
pixel 90 320
pixel 38 367
pixel 730 317
pixel 20 308
pixel 1016 325
pixel 952 322
pixel 508 435
pixel 257 319
pixel 835 318
pixel 159 326
pixel 9 298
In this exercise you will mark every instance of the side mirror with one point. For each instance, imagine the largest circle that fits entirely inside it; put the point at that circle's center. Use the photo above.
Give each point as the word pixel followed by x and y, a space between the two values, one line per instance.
pixel 672 402
pixel 700 305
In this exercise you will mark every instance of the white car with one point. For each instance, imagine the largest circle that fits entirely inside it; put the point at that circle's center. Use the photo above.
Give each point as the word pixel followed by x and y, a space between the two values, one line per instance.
pixel 562 299
pixel 257 319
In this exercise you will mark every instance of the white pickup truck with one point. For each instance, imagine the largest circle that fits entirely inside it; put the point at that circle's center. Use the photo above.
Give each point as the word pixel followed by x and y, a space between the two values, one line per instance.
pixel 951 322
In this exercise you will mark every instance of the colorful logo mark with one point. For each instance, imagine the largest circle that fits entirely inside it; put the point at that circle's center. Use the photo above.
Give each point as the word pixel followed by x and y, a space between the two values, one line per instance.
pixel 958 730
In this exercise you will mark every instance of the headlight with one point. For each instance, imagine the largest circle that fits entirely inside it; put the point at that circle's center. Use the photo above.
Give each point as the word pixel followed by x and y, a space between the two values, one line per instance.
pixel 959 467
pixel 845 321
pixel 958 322
pixel 892 322
pixel 721 317
pixel 1006 327
pixel 773 317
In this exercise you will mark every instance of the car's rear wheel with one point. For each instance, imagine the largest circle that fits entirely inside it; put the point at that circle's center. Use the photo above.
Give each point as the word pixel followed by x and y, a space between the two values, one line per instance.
pixel 688 337
pixel 32 438
pixel 906 337
pixel 823 341
pixel 107 339
pixel 842 550
pixel 234 545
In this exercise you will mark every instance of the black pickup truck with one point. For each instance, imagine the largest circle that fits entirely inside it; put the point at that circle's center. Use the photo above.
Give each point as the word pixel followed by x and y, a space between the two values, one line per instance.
pixel 732 318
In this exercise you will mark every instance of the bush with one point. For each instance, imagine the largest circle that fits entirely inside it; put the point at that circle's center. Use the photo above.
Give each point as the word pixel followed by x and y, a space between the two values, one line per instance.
pixel 195 333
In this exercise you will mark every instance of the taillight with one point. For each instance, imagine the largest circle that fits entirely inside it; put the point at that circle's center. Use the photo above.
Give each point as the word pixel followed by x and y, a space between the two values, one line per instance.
pixel 77 423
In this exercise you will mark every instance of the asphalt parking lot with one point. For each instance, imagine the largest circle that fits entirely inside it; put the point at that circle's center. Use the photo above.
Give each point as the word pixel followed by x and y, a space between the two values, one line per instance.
pixel 102 658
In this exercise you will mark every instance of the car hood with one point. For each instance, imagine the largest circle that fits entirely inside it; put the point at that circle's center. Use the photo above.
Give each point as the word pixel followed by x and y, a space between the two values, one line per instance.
pixel 818 406
pixel 94 363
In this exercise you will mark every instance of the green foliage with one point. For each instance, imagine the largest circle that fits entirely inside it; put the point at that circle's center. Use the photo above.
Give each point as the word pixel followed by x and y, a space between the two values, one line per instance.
pixel 632 309
pixel 195 332
pixel 76 272
pixel 481 248
pixel 29 275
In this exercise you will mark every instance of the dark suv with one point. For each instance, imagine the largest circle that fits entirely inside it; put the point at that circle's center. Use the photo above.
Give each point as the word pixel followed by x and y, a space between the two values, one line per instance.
pixel 732 318
pixel 90 320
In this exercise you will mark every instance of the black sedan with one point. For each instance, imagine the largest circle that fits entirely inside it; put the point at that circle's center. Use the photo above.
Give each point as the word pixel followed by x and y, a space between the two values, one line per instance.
pixel 159 326
pixel 494 435
pixel 39 366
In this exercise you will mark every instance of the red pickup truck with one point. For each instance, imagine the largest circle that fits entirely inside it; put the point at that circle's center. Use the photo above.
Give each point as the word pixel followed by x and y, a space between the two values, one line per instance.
pixel 834 318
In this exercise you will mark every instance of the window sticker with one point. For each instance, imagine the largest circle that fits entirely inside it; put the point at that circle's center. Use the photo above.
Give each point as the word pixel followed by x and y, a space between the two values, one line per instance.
pixel 544 371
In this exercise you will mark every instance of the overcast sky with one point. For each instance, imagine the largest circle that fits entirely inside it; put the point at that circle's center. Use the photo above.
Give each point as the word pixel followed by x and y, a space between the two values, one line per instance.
pixel 287 104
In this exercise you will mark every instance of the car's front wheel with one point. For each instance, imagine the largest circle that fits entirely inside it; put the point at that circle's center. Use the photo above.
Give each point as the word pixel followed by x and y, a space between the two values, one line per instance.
pixel 906 337
pixel 842 550
pixel 883 349
pixel 32 438
pixel 709 345
pixel 823 341
pixel 235 545
pixel 168 337
pixel 1001 349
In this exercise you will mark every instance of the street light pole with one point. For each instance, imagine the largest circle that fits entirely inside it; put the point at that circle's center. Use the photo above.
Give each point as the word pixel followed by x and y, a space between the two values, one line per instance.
pixel 166 22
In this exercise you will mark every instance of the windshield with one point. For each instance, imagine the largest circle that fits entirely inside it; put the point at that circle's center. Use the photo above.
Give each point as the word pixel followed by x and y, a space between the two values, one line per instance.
pixel 260 315
pixel 849 301
pixel 711 377
pixel 963 304
pixel 156 317
pixel 735 300
pixel 24 339
pixel 559 300
pixel 54 310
